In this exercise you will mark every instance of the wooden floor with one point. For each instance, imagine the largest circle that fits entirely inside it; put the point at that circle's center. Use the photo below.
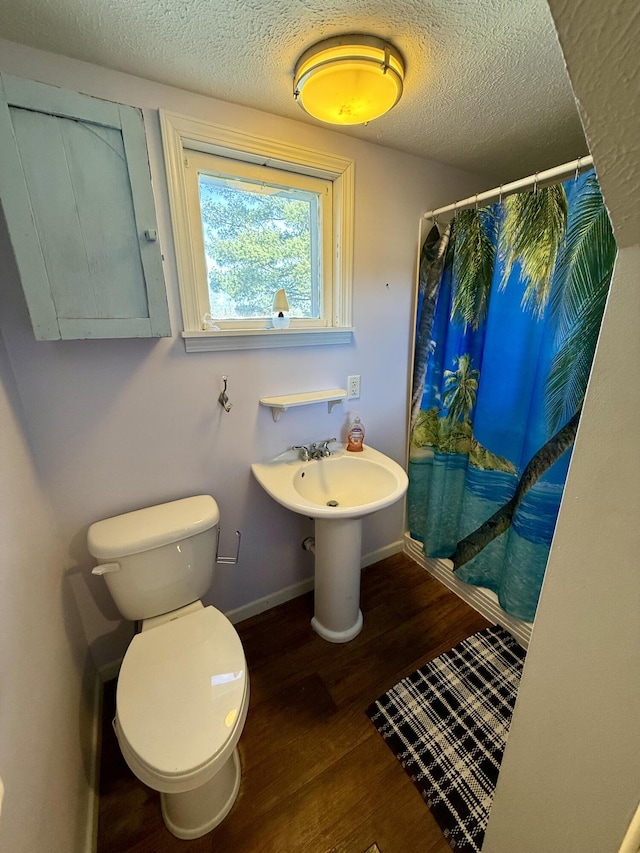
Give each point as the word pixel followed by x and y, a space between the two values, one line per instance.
pixel 316 775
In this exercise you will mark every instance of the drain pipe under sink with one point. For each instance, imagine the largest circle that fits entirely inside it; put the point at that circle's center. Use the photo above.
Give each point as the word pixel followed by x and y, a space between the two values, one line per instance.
pixel 309 544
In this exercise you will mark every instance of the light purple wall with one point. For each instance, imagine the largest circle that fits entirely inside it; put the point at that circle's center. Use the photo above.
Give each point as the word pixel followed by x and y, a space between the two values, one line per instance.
pixel 121 424
pixel 46 675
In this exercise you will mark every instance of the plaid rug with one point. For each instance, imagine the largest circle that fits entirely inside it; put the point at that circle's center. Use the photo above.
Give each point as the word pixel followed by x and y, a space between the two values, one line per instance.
pixel 447 724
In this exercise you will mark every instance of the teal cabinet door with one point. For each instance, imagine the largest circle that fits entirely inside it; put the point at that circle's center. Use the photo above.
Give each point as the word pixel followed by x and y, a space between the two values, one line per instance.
pixel 75 188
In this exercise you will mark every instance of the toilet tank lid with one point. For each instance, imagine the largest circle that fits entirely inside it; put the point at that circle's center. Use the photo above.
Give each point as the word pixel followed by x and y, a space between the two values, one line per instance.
pixel 152 527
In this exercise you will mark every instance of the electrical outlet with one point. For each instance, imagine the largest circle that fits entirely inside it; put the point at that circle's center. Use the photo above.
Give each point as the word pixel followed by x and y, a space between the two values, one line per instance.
pixel 353 387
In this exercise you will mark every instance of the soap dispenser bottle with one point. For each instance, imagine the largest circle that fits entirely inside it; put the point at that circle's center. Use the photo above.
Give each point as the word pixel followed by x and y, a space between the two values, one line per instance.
pixel 355 437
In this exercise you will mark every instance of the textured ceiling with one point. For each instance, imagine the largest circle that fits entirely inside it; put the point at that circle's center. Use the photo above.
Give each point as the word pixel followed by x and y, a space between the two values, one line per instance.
pixel 485 89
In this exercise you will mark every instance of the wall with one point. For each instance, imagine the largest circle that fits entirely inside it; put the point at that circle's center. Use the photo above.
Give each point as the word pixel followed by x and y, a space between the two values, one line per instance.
pixel 121 424
pixel 570 779
pixel 46 700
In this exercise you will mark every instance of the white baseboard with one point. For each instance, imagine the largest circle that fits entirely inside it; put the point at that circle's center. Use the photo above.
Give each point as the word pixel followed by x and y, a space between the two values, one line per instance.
pixel 382 553
pixel 91 838
pixel 109 671
pixel 252 608
pixel 238 614
pixel 485 601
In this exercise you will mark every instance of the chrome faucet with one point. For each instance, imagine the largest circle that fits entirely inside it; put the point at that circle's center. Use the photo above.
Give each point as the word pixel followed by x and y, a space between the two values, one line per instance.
pixel 321 449
pixel 317 450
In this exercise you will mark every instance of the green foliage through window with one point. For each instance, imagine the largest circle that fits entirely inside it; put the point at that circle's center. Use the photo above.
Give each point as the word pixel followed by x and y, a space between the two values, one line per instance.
pixel 259 238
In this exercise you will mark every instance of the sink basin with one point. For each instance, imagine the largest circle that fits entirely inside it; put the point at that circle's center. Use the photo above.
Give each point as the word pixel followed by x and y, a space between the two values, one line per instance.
pixel 343 485
pixel 337 492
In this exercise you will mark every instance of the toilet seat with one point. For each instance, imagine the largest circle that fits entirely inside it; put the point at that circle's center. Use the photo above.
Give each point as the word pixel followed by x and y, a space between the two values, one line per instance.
pixel 182 699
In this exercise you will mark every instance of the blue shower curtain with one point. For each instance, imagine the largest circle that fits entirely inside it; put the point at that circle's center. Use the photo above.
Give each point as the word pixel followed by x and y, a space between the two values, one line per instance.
pixel 510 303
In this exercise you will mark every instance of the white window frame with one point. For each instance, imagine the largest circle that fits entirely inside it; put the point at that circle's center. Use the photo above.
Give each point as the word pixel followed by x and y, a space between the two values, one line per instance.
pixel 182 135
pixel 197 163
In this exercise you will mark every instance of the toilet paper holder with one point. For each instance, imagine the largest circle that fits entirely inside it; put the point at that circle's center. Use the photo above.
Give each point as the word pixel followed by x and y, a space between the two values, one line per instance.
pixel 231 560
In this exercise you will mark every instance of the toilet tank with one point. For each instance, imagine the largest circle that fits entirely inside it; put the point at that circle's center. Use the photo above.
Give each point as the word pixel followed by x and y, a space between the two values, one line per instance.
pixel 157 559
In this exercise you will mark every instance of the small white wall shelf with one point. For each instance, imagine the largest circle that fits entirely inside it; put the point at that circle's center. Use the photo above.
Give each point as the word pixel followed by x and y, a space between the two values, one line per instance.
pixel 278 405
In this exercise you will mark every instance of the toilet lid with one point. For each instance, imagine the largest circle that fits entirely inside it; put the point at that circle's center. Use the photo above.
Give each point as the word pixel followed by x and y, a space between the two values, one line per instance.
pixel 180 691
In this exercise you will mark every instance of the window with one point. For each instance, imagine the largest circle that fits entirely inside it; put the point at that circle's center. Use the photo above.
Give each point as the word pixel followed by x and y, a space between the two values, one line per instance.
pixel 251 216
pixel 262 229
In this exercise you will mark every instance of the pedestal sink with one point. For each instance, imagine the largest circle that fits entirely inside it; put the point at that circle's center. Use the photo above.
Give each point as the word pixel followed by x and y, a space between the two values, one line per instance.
pixel 337 492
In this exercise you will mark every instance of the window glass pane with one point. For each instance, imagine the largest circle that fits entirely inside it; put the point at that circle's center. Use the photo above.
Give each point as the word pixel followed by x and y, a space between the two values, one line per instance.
pixel 259 237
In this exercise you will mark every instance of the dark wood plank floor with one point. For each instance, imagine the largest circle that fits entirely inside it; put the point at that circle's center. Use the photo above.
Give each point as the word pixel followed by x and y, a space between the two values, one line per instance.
pixel 316 775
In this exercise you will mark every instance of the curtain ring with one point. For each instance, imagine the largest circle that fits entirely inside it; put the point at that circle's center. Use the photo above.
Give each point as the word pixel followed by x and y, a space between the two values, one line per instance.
pixel 475 203
pixel 500 195
pixel 535 183
pixel 577 169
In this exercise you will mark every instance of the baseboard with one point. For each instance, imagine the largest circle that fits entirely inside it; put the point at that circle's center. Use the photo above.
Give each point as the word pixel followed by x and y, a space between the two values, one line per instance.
pixel 273 599
pixel 485 601
pixel 109 671
pixel 91 838
pixel 239 614
pixel 382 553
pixel 253 608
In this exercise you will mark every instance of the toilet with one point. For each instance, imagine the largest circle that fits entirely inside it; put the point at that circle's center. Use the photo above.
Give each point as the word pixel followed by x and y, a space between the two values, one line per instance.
pixel 183 688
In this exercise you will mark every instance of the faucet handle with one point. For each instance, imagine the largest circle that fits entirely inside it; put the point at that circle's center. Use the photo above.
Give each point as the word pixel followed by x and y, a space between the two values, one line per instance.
pixel 304 451
pixel 324 446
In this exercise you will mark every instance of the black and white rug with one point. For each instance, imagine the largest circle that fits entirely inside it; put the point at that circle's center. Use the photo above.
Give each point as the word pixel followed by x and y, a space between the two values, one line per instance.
pixel 447 724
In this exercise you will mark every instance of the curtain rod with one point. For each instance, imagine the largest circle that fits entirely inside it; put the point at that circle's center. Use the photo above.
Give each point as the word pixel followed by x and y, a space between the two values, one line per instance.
pixel 575 166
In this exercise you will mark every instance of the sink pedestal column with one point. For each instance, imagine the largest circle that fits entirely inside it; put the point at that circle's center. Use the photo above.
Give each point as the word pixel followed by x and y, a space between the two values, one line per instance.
pixel 337 616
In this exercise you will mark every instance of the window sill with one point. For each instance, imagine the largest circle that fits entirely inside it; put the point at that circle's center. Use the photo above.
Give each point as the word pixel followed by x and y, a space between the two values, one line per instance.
pixel 232 339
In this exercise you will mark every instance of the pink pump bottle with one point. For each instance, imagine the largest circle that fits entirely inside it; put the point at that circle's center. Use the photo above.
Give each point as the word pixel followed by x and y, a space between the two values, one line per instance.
pixel 355 437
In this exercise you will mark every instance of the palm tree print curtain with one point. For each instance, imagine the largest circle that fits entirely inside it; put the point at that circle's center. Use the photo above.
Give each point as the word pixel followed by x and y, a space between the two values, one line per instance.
pixel 510 302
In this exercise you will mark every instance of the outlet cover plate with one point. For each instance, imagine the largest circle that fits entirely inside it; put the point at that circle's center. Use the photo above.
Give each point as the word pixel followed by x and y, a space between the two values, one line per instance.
pixel 353 387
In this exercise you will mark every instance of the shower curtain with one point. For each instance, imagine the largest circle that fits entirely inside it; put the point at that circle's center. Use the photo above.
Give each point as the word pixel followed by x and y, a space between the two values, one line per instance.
pixel 510 302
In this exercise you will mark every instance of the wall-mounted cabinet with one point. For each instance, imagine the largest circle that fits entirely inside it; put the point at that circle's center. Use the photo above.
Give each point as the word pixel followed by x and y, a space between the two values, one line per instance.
pixel 76 192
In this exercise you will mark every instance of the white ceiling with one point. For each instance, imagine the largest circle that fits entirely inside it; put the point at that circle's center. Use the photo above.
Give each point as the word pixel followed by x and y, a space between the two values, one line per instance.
pixel 485 89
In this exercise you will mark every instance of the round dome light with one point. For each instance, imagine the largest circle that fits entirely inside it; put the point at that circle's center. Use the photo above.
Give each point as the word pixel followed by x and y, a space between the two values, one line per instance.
pixel 349 79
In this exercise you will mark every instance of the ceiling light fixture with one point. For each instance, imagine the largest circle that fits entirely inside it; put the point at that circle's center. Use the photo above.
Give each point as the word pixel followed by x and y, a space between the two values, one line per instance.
pixel 349 79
